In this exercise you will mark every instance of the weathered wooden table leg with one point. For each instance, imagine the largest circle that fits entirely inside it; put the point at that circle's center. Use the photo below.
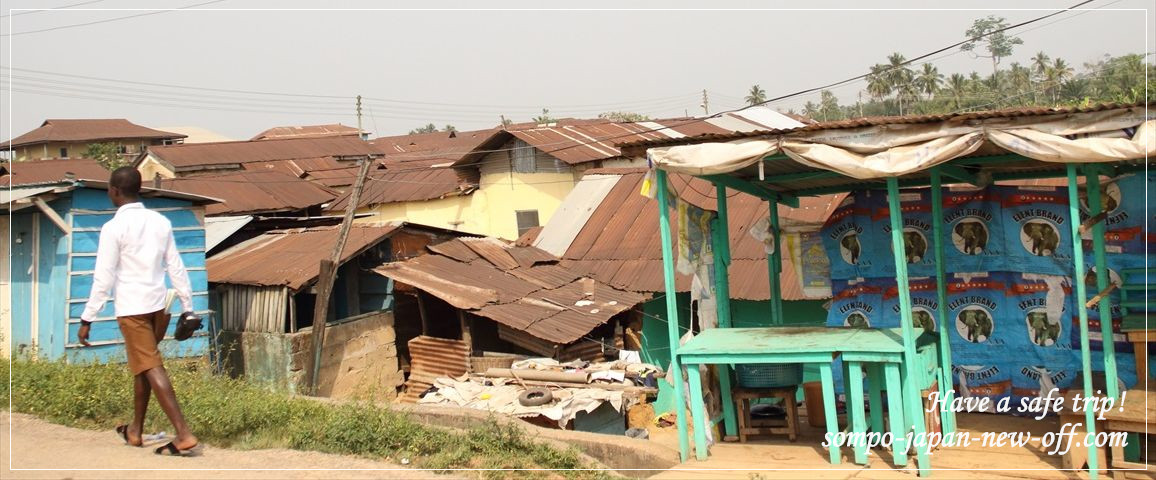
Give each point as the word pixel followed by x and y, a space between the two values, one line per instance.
pixel 829 410
pixel 874 381
pixel 856 414
pixel 895 414
pixel 697 411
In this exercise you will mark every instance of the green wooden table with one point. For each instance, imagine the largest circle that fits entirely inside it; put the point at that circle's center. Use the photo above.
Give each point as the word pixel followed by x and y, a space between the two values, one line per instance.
pixel 817 345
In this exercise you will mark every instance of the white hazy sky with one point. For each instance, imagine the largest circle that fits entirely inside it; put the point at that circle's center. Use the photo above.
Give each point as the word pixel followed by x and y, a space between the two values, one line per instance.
pixel 467 68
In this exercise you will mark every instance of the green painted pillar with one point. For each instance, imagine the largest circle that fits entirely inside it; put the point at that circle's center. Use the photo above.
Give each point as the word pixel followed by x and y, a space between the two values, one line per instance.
pixel 775 266
pixel 1082 310
pixel 912 400
pixel 672 313
pixel 720 246
pixel 947 416
pixel 1092 180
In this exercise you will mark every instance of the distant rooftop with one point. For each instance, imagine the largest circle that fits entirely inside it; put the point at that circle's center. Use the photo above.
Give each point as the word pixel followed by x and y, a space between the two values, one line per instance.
pixel 88 130
pixel 307 131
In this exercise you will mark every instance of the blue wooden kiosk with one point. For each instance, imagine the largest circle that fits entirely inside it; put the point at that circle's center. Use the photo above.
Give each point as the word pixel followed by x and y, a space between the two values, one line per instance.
pixel 888 153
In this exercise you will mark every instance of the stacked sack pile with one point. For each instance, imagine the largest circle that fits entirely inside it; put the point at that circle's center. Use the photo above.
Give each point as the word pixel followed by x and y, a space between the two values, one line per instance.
pixel 1008 255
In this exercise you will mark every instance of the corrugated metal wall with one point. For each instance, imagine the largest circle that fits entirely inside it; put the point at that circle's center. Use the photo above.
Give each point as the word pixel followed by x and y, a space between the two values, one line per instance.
pixel 89 210
pixel 247 308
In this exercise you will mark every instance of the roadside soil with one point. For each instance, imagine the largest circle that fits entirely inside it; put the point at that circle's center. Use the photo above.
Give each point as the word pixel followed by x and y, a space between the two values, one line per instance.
pixel 41 450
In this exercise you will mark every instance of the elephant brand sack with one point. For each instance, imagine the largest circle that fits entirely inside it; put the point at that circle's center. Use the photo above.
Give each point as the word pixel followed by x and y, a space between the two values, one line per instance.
pixel 1031 381
pixel 977 306
pixel 989 381
pixel 915 206
pixel 1038 229
pixel 1042 306
pixel 845 234
pixel 856 303
pixel 973 226
pixel 924 304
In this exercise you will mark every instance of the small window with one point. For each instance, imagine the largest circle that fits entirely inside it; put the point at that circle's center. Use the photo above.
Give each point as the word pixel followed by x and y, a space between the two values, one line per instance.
pixel 121 149
pixel 527 219
pixel 63 152
pixel 524 157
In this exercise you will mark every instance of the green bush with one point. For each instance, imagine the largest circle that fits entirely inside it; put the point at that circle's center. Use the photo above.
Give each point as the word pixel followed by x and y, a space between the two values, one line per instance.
pixel 227 412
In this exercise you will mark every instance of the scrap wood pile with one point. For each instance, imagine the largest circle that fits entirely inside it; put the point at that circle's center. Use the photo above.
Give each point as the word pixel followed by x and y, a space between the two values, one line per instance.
pixel 545 387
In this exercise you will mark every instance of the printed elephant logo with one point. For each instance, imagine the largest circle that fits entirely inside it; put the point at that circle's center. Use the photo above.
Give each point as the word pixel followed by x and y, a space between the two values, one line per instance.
pixel 1042 331
pixel 1109 198
pixel 1091 278
pixel 1040 238
pixel 914 245
pixel 921 318
pixel 975 324
pixel 857 320
pixel 970 237
pixel 849 248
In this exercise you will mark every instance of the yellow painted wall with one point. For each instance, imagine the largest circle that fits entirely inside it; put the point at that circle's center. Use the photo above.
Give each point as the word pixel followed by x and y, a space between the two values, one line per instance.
pixel 490 210
pixel 149 167
pixel 75 150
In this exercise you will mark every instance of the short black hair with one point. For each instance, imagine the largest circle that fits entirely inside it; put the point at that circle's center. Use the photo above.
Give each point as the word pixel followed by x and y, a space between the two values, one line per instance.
pixel 127 180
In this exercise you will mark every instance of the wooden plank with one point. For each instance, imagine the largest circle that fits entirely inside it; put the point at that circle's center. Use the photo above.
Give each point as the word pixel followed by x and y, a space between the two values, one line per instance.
pixel 1100 259
pixel 421 313
pixel 1100 296
pixel 1092 221
pixel 329 272
pixel 1082 309
pixel 52 215
pixel 672 322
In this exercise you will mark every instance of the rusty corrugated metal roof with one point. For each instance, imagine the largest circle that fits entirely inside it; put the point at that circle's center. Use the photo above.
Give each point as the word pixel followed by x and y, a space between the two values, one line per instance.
pixel 881 120
pixel 430 358
pixel 88 130
pixel 193 155
pixel 620 242
pixel 408 182
pixel 49 171
pixel 291 258
pixel 540 298
pixel 307 131
pixel 253 192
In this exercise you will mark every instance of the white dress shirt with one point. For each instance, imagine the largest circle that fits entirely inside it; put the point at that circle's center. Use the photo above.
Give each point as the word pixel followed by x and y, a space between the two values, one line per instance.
pixel 136 249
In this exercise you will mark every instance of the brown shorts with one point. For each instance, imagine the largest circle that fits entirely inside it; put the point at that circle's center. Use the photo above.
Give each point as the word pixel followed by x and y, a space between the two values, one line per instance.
pixel 141 334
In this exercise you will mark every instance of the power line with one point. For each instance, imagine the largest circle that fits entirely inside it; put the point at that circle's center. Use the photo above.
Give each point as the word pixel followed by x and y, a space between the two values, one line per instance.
pixel 29 12
pixel 107 20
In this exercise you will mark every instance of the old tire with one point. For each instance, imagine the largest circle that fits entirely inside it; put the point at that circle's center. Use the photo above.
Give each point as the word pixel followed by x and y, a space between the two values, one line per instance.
pixel 534 397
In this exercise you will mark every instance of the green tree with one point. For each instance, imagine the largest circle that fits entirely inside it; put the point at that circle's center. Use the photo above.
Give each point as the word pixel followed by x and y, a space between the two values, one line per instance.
pixel 1055 75
pixel 624 116
pixel 957 85
pixel 829 109
pixel 756 95
pixel 107 154
pixel 544 117
pixel 988 33
pixel 428 128
pixel 450 128
pixel 878 87
pixel 900 78
pixel 929 80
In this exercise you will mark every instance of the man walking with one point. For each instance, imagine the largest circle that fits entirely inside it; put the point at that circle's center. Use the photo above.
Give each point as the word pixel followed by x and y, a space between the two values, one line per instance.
pixel 136 249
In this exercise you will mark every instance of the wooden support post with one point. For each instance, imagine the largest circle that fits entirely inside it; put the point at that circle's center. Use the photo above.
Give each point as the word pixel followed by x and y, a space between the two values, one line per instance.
pixel 912 400
pixel 1082 311
pixel 1092 181
pixel 292 311
pixel 320 312
pixel 947 415
pixel 329 273
pixel 672 323
pixel 467 337
pixel 421 314
pixel 720 245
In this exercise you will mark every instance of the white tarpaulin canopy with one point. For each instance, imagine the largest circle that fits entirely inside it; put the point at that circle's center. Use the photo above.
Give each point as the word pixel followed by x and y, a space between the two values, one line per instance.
pixel 895 149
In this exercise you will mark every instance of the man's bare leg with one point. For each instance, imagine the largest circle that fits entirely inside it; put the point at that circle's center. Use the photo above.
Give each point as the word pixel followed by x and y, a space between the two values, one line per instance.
pixel 141 392
pixel 158 379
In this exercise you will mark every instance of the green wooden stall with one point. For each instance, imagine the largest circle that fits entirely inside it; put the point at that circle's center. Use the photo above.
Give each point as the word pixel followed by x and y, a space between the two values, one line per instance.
pixel 976 148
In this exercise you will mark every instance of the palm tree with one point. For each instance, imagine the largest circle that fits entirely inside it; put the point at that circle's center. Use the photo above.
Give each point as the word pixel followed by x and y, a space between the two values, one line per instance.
pixel 1020 78
pixel 811 110
pixel 877 85
pixel 756 96
pixel 1055 74
pixel 1040 63
pixel 957 84
pixel 899 77
pixel 929 80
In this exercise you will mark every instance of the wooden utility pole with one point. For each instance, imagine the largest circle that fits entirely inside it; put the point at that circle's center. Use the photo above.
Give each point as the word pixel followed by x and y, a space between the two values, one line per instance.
pixel 705 103
pixel 329 267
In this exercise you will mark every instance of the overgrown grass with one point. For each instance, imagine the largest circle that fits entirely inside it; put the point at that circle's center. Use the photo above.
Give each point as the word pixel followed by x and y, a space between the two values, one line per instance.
pixel 227 412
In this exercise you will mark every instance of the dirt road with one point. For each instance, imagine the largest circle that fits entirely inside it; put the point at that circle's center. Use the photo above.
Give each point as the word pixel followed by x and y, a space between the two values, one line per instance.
pixel 64 452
